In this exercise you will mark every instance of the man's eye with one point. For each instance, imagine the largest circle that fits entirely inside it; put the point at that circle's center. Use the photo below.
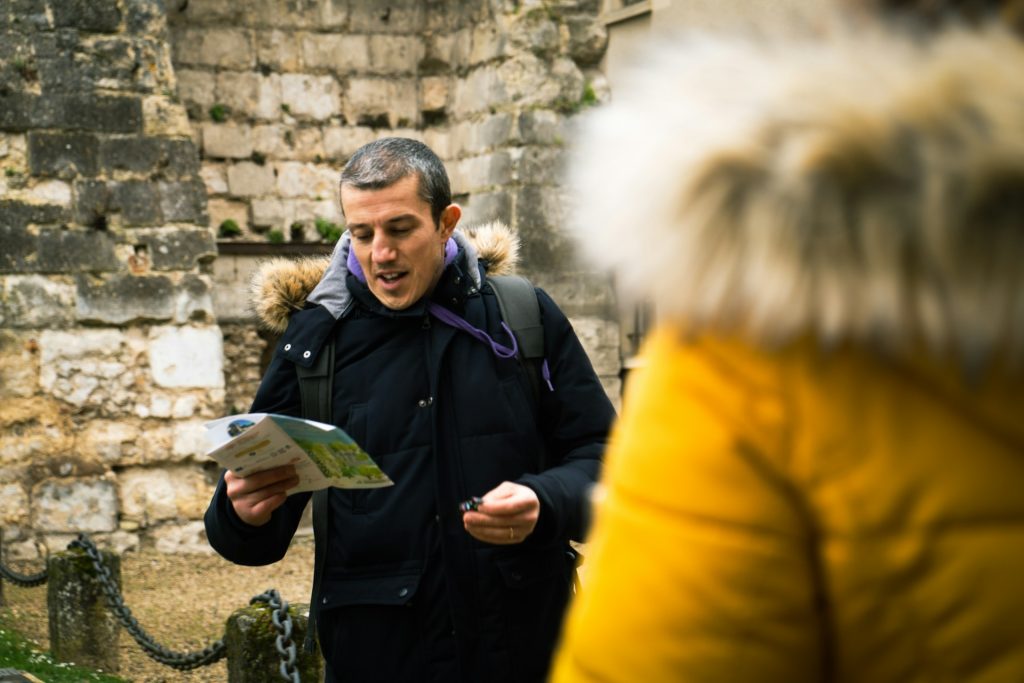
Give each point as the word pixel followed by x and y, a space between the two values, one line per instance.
pixel 360 237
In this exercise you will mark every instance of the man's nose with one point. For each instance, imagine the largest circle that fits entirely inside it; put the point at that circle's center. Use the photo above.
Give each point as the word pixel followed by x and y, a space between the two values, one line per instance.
pixel 383 249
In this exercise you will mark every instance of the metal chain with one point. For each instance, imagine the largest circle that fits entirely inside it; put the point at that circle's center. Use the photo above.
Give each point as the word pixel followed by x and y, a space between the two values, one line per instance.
pixel 23 580
pixel 182 662
pixel 284 643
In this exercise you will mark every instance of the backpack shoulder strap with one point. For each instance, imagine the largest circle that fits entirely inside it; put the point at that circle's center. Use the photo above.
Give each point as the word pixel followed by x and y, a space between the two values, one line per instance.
pixel 316 387
pixel 517 300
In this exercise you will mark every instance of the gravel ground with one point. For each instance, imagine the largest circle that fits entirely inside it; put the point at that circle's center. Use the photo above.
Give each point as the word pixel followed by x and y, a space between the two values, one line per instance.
pixel 182 601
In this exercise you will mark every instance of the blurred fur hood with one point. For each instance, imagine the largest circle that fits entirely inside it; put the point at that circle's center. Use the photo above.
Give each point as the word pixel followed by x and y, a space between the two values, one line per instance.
pixel 281 286
pixel 864 188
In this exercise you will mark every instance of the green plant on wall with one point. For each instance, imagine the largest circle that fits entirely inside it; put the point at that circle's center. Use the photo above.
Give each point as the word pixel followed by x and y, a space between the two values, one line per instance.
pixel 275 237
pixel 229 228
pixel 219 113
pixel 329 232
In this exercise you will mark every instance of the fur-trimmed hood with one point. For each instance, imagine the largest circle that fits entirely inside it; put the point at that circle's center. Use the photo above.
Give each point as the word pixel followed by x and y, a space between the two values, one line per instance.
pixel 864 188
pixel 281 286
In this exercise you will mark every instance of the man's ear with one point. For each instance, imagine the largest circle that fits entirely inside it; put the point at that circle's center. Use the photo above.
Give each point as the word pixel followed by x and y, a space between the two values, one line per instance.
pixel 449 219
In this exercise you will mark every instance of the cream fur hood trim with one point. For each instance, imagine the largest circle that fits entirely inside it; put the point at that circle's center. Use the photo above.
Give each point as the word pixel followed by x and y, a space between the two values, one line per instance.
pixel 860 188
pixel 281 286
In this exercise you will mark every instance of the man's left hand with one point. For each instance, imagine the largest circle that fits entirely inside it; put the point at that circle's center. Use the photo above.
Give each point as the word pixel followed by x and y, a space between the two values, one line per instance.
pixel 507 515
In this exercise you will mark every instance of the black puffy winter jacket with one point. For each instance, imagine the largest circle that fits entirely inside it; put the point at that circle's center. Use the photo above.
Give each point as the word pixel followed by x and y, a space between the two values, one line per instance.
pixel 408 595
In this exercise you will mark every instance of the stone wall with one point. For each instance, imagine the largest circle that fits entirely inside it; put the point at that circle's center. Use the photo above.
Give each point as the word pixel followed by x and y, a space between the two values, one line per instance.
pixel 280 94
pixel 110 355
pixel 130 130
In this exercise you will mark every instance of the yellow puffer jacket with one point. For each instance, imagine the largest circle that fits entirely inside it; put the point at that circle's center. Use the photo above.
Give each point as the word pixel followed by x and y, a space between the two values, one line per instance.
pixel 818 474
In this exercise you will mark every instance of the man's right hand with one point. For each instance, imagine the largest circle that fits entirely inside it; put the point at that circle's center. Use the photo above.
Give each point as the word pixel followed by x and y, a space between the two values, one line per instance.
pixel 256 496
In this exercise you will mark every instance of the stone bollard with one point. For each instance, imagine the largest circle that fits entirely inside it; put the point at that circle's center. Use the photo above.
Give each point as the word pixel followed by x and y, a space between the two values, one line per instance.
pixel 250 639
pixel 83 630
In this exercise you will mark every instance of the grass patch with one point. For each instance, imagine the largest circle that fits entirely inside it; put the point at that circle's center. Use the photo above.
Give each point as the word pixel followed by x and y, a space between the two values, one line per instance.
pixel 19 653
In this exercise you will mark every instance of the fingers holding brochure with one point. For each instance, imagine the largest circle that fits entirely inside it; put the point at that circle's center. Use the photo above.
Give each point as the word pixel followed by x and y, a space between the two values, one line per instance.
pixel 255 497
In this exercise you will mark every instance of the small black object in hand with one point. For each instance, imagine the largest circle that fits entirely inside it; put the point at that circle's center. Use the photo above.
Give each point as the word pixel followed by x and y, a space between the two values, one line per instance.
pixel 471 504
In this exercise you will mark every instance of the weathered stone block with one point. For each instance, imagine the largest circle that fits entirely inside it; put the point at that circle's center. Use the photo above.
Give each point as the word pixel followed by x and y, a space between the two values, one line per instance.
pixel 447 50
pixel 341 142
pixel 268 213
pixel 122 299
pixel 227 141
pixel 278 50
pixel 397 16
pixel 64 155
pixel 194 302
pixel 434 92
pixel 74 251
pixel 588 39
pixel 49 192
pixel 19 376
pixel 17 111
pixel 179 158
pixel 198 90
pixel 341 53
pixel 138 201
pixel 476 136
pixel 223 48
pixel 395 54
pixel 542 127
pixel 370 100
pixel 35 301
pixel 82 629
pixel 250 93
pixel 305 180
pixel 181 249
pixel 207 12
pixel 482 89
pixel 183 201
pixel 529 80
pixel 316 97
pixel 540 219
pixel 542 165
pixel 227 209
pixel 137 154
pixel 186 357
pixel 73 506
pixel 162 116
pixel 246 179
pixel 534 31
pixel 146 17
pixel 150 495
pixel 189 436
pixel 600 338
pixel 482 172
pixel 483 207
pixel 102 16
pixel 487 43
pixel 216 180
pixel 13 504
pixel 99 113
pixel 107 441
pixel 176 539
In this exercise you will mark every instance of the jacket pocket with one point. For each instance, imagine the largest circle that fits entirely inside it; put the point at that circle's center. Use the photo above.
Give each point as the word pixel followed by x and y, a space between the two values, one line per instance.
pixel 395 591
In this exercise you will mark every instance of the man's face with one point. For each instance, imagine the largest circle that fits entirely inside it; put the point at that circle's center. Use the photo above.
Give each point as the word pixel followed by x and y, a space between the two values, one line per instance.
pixel 395 240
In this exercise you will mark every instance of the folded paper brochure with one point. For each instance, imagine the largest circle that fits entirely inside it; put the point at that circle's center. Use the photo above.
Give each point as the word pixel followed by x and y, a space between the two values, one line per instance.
pixel 323 454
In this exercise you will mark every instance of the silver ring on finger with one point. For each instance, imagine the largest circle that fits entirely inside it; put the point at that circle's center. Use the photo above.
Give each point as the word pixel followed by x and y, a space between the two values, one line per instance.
pixel 511 534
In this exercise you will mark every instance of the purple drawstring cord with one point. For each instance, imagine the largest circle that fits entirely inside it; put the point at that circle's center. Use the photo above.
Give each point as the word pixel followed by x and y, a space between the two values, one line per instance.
pixel 453 320
pixel 447 317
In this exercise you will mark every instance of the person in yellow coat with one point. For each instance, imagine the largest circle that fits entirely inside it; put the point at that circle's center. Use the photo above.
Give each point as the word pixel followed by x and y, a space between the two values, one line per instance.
pixel 818 474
